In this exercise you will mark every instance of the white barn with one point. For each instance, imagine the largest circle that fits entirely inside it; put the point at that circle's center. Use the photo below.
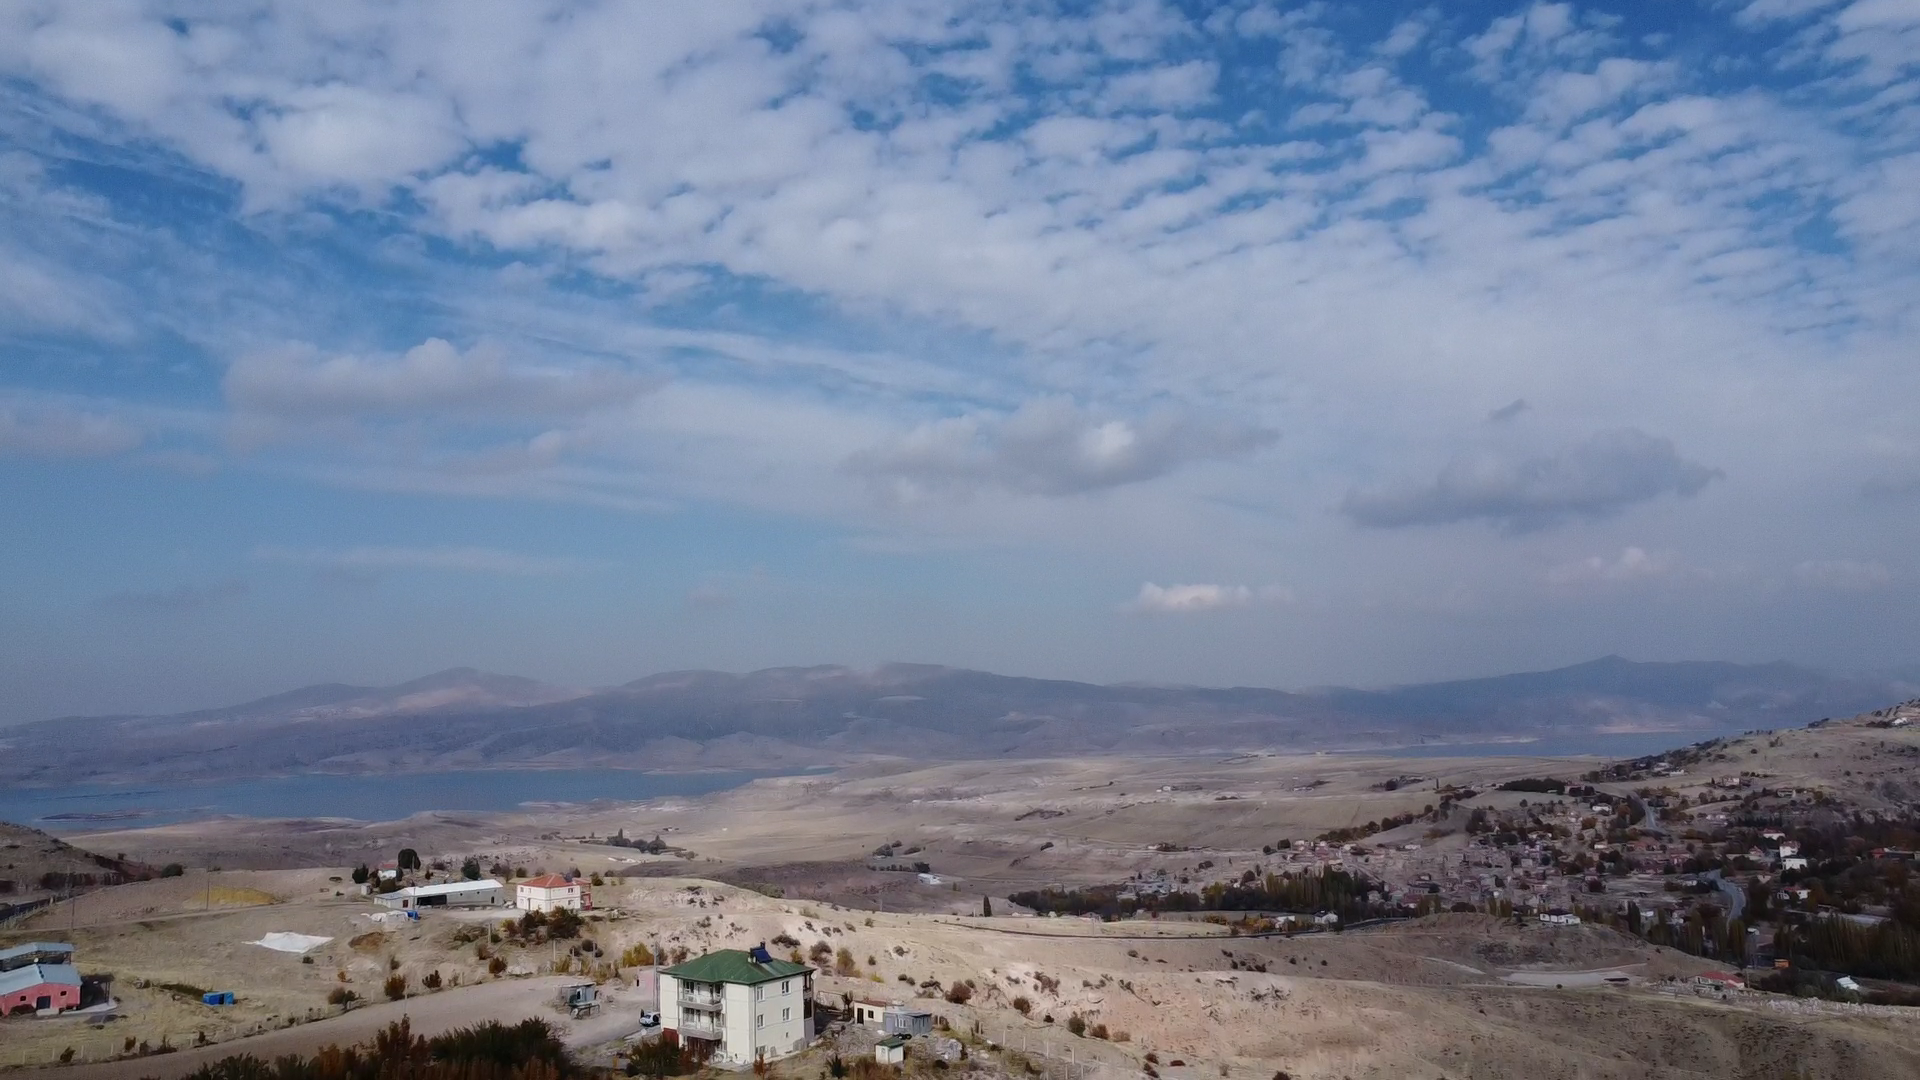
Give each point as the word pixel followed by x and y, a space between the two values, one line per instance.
pixel 470 894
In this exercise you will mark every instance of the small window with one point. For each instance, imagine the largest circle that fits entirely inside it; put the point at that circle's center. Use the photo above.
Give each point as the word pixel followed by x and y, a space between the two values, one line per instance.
pixel 786 1015
pixel 786 987
pixel 759 993
pixel 760 1021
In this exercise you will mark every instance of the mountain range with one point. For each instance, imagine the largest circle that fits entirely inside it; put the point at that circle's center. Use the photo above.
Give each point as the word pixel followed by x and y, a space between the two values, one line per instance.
pixel 797 717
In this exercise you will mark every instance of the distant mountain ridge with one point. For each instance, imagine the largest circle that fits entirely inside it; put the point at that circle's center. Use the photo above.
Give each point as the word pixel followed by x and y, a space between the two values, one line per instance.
pixel 789 717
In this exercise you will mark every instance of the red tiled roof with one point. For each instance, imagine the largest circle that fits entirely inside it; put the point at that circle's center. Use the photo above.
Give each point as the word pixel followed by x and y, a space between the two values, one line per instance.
pixel 548 881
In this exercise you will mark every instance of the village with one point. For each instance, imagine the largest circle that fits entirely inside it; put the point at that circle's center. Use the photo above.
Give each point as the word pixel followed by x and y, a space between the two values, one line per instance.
pixel 1475 898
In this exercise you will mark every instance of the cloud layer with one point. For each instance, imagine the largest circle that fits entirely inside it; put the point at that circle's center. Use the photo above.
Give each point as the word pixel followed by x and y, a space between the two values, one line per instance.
pixel 962 312
pixel 1596 478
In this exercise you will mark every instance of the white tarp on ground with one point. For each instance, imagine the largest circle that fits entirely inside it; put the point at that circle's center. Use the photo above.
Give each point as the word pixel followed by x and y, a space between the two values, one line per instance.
pixel 293 943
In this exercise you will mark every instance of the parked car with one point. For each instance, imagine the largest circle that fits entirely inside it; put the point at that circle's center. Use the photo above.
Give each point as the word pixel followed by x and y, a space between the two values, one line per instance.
pixel 649 1019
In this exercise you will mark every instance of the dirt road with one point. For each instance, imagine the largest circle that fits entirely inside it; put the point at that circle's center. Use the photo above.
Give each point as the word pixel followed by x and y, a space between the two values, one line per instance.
pixel 508 1002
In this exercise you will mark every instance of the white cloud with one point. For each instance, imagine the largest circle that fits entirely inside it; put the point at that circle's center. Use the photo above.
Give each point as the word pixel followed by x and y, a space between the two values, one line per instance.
pixel 463 560
pixel 1631 565
pixel 1193 599
pixel 1843 575
pixel 300 383
pixel 52 431
pixel 1049 447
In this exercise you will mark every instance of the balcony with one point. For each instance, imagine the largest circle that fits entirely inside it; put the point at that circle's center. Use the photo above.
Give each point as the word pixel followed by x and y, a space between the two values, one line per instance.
pixel 700 999
pixel 699 1025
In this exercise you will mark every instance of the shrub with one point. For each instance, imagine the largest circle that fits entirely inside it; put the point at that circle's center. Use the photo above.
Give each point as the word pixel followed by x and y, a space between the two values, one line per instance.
pixel 786 940
pixel 959 993
pixel 396 987
pixel 636 955
pixel 1022 1005
pixel 497 966
pixel 173 869
pixel 340 995
pixel 1099 1031
pixel 1075 1025
pixel 431 980
pixel 843 962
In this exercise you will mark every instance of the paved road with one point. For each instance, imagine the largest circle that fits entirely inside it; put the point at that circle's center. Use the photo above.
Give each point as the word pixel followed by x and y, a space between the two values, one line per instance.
pixel 508 1001
pixel 1649 817
pixel 1736 897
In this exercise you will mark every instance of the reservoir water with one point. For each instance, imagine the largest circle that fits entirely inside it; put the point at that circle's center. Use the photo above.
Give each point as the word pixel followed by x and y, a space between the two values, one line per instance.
pixel 365 798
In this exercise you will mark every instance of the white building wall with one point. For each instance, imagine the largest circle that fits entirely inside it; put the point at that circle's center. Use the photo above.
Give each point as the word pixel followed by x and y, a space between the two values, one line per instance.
pixel 754 1019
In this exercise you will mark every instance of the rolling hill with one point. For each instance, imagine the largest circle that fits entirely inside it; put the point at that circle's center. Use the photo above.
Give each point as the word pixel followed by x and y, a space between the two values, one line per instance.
pixel 786 717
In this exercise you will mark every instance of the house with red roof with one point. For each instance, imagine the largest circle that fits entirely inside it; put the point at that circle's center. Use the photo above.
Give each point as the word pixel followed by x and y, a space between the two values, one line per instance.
pixel 551 892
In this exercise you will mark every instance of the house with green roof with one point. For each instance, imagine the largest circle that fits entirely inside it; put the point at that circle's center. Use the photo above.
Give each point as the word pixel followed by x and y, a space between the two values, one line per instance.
pixel 742 1004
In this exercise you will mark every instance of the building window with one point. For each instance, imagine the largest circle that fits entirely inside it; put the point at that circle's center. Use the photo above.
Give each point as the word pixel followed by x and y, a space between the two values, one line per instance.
pixel 786 987
pixel 786 1015
pixel 760 1021
pixel 759 993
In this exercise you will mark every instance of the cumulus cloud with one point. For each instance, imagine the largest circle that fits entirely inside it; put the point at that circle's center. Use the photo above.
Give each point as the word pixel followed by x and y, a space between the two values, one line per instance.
pixel 1192 599
pixel 1597 478
pixel 1843 575
pixel 1632 564
pixel 1049 447
pixel 57 432
pixel 181 598
pixel 465 560
pixel 301 383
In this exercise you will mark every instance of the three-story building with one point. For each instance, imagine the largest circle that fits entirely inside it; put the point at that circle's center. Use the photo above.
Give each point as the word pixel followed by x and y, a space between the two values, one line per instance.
pixel 742 1003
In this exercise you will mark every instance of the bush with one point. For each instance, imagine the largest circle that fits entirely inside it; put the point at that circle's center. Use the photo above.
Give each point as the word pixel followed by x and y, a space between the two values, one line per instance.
pixel 396 987
pixel 173 869
pixel 470 869
pixel 497 966
pixel 843 962
pixel 637 955
pixel 431 980
pixel 1022 1005
pixel 1099 1031
pixel 563 924
pixel 1075 1025
pixel 340 995
pixel 959 993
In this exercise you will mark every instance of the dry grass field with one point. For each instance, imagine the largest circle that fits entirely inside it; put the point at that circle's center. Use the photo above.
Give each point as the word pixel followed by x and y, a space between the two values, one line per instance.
pixel 1447 996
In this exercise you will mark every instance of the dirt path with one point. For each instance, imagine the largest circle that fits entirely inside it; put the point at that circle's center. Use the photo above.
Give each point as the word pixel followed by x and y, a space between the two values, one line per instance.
pixel 508 1002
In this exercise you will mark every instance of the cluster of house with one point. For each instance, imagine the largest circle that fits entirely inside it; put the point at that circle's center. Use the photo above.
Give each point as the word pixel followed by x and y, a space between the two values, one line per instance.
pixel 548 892
pixel 38 977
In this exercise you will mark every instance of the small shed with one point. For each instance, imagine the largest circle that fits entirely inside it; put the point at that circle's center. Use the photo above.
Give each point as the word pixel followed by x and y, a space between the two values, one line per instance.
pixel 900 1020
pixel 581 999
pixel 869 1012
pixel 891 1050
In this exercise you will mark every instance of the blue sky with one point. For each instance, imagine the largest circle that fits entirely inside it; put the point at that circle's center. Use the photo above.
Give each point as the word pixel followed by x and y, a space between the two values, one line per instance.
pixel 1272 344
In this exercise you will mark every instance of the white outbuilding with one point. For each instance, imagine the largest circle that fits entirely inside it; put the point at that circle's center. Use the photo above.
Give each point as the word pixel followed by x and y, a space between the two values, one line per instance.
pixel 465 894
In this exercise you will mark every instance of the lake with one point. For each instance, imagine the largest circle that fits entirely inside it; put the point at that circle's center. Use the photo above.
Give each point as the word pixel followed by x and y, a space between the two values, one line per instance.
pixel 365 798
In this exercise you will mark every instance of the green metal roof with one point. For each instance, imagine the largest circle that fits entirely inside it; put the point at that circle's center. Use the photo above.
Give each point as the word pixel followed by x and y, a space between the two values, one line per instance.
pixel 733 966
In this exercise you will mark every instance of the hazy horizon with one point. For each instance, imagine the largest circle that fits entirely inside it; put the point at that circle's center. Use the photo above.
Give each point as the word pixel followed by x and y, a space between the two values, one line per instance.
pixel 1252 344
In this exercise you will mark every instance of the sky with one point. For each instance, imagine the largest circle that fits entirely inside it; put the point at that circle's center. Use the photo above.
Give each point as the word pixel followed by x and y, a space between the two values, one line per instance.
pixel 1268 344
